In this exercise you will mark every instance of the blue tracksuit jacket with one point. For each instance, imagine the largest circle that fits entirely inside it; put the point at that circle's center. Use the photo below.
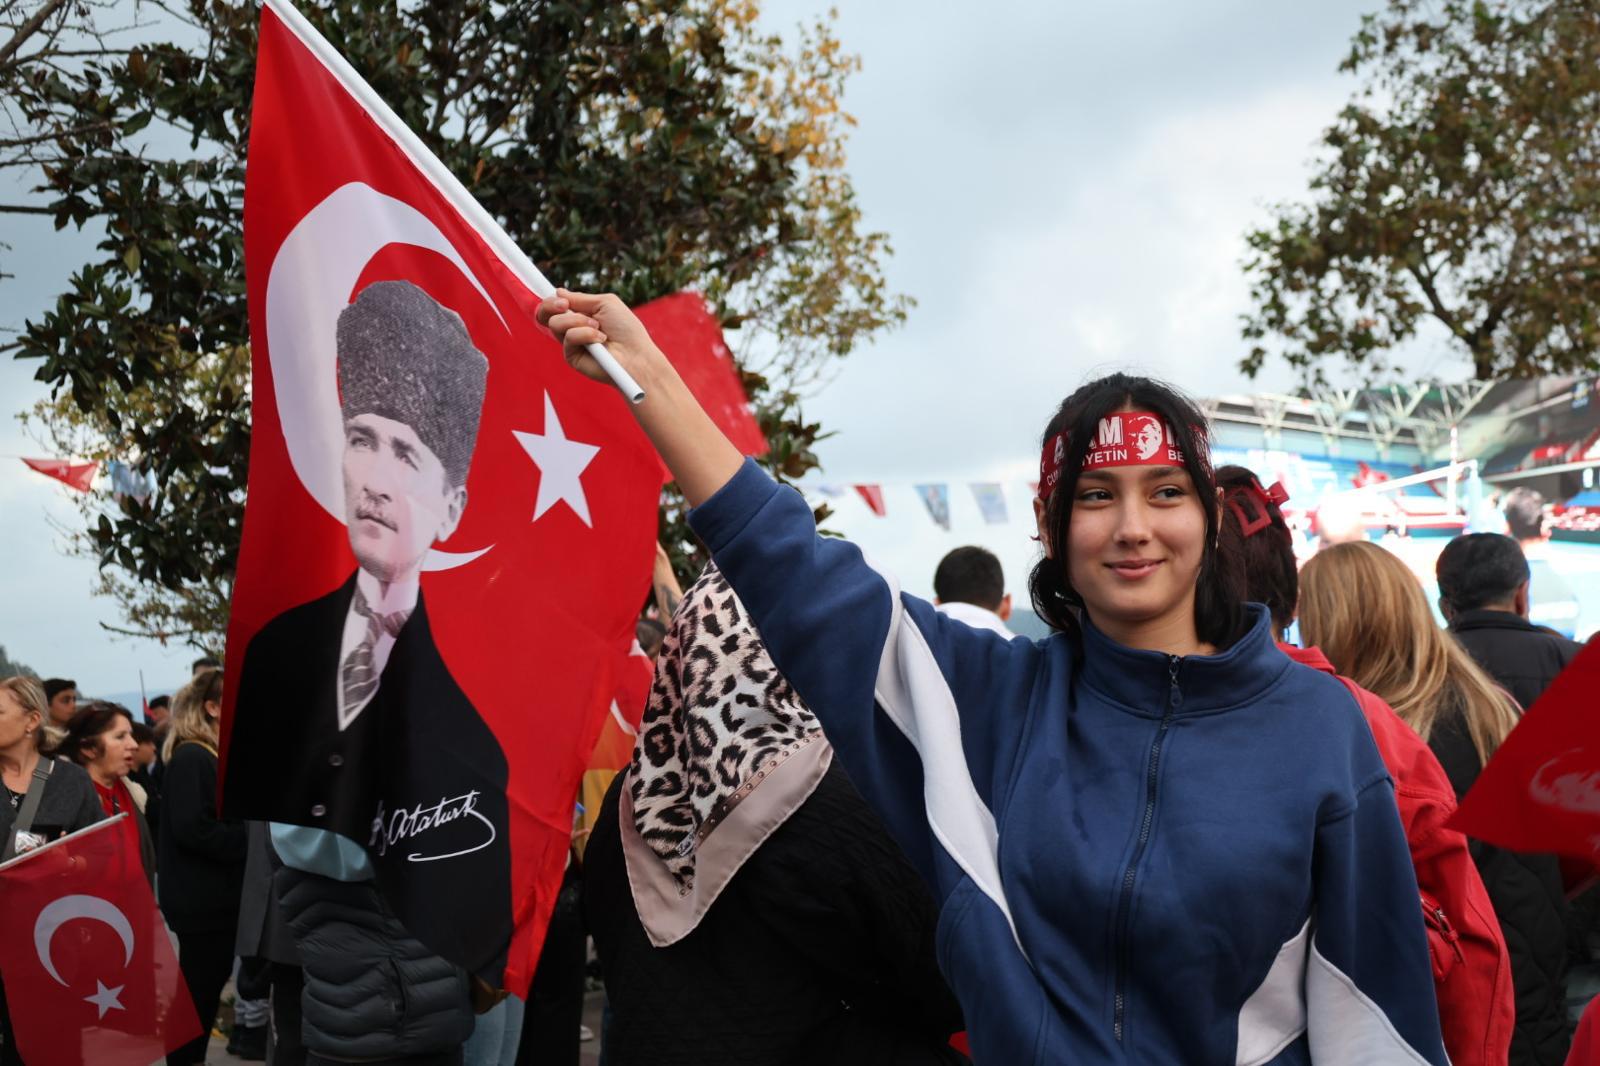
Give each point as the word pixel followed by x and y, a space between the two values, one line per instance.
pixel 1139 858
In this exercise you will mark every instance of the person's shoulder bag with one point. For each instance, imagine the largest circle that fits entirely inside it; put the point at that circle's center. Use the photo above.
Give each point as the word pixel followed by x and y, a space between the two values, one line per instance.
pixel 20 829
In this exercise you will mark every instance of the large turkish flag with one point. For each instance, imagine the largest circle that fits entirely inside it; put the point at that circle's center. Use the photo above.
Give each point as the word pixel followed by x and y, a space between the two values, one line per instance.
pixel 90 975
pixel 448 532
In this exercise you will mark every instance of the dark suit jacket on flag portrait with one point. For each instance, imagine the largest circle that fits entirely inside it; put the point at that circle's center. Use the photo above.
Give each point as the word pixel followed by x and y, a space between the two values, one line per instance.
pixel 447 535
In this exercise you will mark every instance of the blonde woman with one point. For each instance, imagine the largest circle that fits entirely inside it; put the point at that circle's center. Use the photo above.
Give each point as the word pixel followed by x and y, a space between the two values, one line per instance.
pixel 1368 613
pixel 200 857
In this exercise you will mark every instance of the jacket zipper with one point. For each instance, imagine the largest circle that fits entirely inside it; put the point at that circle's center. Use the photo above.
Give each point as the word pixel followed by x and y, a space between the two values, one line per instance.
pixel 1435 916
pixel 1131 874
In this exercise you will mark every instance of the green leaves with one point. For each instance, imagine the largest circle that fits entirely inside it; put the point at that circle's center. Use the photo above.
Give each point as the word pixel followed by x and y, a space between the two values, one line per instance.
pixel 1469 198
pixel 643 148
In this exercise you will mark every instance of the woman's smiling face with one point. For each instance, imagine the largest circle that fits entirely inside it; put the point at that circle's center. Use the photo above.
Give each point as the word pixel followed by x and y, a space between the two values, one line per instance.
pixel 1134 547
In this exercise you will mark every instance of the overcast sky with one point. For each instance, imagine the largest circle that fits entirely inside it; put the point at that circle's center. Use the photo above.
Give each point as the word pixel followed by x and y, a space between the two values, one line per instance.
pixel 1066 187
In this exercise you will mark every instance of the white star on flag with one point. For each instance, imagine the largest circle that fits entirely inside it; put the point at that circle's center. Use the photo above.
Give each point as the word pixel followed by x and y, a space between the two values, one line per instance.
pixel 105 998
pixel 560 462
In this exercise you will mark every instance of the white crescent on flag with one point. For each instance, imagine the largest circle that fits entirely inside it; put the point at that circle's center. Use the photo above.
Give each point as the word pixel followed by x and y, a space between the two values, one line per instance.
pixel 65 909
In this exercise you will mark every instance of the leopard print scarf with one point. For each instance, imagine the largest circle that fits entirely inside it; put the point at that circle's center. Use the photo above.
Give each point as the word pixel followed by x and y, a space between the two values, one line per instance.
pixel 726 752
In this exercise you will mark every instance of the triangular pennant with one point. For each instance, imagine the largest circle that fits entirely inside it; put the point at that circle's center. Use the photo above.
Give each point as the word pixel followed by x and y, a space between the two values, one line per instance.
pixel 936 498
pixel 873 494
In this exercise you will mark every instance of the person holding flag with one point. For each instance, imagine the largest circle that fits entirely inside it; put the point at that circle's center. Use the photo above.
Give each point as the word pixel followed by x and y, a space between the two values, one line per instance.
pixel 44 799
pixel 1152 837
pixel 89 977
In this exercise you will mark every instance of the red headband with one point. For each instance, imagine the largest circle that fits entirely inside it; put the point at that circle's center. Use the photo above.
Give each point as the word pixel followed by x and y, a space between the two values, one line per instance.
pixel 1264 500
pixel 1125 438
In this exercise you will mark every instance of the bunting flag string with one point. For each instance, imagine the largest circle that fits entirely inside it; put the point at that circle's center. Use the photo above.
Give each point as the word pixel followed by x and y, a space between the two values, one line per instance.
pixel 989 496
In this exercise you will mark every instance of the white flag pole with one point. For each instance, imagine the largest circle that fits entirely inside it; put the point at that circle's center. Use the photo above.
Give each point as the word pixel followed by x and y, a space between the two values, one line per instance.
pixel 437 173
pixel 74 835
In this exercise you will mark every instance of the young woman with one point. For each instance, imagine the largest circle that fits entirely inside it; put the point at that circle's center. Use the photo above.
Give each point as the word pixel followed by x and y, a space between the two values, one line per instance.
pixel 201 857
pixel 100 739
pixel 66 800
pixel 1471 970
pixel 1152 837
pixel 1369 614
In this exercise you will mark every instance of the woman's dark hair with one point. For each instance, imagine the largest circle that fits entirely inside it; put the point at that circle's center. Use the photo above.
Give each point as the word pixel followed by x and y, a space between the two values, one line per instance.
pixel 87 725
pixel 1219 614
pixel 1267 564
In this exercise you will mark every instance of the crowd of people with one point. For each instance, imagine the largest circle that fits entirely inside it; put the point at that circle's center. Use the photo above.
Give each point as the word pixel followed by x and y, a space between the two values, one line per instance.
pixel 1205 821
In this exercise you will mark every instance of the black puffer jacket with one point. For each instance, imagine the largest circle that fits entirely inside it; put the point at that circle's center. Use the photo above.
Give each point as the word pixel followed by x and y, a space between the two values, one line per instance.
pixel 372 991
pixel 819 950
pixel 1530 901
pixel 1522 658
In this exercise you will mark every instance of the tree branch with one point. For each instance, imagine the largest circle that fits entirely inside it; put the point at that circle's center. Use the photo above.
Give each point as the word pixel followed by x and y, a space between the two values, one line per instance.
pixel 28 29
pixel 23 142
pixel 161 635
pixel 1440 311
pixel 25 209
pixel 1498 308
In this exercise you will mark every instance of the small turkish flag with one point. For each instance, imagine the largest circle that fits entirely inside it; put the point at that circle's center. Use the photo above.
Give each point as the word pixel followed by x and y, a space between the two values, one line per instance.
pixel 90 975
pixel 1540 791
pixel 76 475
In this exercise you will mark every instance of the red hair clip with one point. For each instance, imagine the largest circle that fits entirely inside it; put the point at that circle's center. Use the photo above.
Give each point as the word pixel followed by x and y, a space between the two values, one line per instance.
pixel 1263 499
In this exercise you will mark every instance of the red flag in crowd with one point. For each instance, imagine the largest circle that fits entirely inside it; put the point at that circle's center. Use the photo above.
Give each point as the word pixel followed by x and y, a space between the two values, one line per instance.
pixel 1541 789
pixel 76 475
pixel 447 534
pixel 691 337
pixel 873 494
pixel 614 750
pixel 91 977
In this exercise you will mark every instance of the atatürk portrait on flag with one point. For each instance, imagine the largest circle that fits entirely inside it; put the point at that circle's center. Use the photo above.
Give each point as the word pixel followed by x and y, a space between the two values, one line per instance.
pixel 346 713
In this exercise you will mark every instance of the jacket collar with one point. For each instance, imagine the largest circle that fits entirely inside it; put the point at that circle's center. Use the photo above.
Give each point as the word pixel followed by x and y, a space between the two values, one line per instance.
pixel 1483 618
pixel 1142 680
pixel 1311 656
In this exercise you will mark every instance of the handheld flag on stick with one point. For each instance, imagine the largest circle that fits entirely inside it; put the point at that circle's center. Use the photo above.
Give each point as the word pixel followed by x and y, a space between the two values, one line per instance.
pixel 91 978
pixel 447 533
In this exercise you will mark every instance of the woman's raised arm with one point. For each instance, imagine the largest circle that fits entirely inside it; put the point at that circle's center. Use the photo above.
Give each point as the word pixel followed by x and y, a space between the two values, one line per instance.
pixel 925 713
pixel 701 459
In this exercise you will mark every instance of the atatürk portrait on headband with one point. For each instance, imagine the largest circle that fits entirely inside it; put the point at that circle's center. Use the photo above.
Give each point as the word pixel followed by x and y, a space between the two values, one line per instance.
pixel 346 714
